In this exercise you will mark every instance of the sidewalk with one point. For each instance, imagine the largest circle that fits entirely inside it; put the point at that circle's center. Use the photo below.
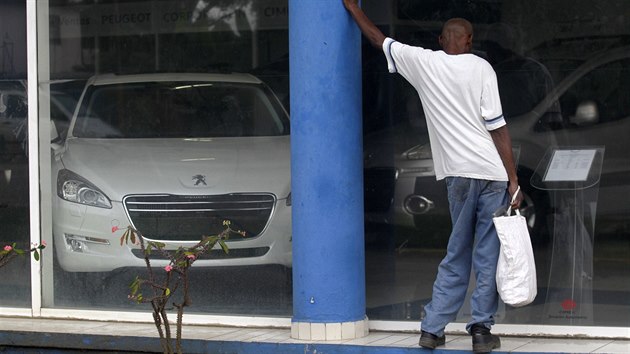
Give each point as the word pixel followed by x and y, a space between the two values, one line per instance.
pixel 25 335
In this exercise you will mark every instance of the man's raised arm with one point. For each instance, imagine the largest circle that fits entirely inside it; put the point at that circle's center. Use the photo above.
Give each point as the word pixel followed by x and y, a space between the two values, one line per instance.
pixel 367 27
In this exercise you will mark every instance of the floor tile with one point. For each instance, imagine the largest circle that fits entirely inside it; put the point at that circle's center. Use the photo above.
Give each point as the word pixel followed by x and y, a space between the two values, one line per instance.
pixel 551 345
pixel 250 336
pixel 279 335
pixel 199 332
pixel 371 338
pixel 390 340
pixel 458 343
pixel 616 347
pixel 510 344
pixel 409 341
pixel 269 334
pixel 278 338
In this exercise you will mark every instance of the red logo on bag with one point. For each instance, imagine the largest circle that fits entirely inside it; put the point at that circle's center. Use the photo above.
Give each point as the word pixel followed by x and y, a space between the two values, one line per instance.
pixel 568 304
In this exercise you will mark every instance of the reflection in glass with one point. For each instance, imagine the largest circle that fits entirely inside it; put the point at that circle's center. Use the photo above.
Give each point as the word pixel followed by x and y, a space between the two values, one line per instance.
pixel 177 110
pixel 577 95
pixel 15 290
pixel 558 89
pixel 168 139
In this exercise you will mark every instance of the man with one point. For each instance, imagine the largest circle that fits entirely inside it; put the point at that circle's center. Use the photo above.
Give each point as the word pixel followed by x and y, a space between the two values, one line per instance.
pixel 472 150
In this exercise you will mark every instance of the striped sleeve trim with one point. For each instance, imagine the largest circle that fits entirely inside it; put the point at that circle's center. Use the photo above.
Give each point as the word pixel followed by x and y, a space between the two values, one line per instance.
pixel 494 123
pixel 387 49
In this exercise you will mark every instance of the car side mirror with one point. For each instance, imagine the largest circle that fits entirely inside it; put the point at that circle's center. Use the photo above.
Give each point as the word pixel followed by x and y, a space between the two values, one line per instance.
pixel 55 139
pixel 586 113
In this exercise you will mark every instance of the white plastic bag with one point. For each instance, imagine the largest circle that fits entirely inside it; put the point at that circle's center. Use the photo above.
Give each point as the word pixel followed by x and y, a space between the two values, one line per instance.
pixel 516 269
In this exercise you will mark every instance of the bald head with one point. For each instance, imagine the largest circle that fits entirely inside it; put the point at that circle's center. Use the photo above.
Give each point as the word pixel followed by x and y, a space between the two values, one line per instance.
pixel 456 37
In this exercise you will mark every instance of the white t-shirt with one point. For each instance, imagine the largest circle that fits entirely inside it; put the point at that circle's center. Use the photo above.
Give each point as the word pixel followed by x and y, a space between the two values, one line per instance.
pixel 460 98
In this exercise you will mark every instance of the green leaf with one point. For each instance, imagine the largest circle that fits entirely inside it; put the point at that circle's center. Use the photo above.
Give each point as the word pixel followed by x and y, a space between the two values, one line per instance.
pixel 167 292
pixel 36 255
pixel 212 240
pixel 224 247
pixel 135 286
pixel 124 237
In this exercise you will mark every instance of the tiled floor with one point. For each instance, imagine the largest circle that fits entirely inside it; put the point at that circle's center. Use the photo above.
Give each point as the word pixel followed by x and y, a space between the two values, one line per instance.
pixel 383 340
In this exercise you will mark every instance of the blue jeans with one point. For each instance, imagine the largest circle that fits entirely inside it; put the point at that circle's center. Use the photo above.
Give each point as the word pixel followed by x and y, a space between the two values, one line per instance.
pixel 473 243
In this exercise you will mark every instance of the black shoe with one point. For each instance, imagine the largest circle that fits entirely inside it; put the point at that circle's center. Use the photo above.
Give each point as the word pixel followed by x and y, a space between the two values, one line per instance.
pixel 482 340
pixel 430 341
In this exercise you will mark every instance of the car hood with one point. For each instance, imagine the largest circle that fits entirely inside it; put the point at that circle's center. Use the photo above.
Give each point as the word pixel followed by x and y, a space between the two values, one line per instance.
pixel 119 167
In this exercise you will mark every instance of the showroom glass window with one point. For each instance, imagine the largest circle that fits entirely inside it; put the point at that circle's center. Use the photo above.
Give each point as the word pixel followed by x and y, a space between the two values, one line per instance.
pixel 563 78
pixel 562 70
pixel 169 116
pixel 14 174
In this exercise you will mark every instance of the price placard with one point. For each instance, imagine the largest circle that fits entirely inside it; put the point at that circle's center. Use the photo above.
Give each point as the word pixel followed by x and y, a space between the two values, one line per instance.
pixel 570 165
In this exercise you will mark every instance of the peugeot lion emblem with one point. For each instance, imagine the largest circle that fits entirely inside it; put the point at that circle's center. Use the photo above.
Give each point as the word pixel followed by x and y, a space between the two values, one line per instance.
pixel 199 179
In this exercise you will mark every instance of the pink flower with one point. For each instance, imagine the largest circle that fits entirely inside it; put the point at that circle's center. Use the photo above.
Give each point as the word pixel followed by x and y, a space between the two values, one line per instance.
pixel 192 257
pixel 44 243
pixel 115 228
pixel 8 248
pixel 168 268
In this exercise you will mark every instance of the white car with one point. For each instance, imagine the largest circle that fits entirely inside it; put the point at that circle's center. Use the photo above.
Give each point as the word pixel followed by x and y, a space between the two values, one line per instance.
pixel 172 155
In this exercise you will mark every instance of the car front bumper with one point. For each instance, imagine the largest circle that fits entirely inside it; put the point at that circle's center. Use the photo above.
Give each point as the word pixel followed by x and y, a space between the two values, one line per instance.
pixel 88 239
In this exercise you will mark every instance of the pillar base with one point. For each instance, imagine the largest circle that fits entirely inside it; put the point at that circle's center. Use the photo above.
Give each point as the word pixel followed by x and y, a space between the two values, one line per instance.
pixel 329 331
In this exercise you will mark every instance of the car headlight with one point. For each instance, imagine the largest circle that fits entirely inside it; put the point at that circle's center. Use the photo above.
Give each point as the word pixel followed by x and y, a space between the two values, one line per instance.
pixel 418 152
pixel 76 189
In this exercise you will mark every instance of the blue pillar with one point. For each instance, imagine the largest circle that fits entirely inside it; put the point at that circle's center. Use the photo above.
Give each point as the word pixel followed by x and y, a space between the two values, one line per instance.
pixel 327 170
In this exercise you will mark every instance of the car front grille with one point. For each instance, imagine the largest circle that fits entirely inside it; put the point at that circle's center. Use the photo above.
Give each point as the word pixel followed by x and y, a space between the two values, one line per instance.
pixel 189 217
pixel 213 254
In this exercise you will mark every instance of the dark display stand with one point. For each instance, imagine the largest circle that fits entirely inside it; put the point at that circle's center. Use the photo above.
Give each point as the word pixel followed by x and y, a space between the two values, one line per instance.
pixel 571 175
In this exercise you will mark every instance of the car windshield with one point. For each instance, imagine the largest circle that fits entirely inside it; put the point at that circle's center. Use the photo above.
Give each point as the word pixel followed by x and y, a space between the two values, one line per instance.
pixel 179 110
